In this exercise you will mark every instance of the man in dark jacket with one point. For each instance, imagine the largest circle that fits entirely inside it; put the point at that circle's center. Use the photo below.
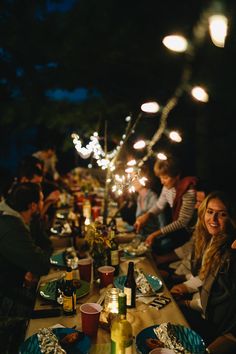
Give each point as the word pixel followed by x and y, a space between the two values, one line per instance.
pixel 18 255
pixel 18 252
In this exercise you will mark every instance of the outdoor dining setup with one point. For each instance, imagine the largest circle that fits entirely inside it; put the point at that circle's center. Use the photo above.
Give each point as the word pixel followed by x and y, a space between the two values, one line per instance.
pixel 117 206
pixel 96 281
pixel 92 266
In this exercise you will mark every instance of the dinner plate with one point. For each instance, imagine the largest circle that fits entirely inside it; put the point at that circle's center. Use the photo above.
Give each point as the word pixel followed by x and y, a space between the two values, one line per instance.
pixel 132 249
pixel 49 290
pixel 31 345
pixel 190 340
pixel 154 281
pixel 58 259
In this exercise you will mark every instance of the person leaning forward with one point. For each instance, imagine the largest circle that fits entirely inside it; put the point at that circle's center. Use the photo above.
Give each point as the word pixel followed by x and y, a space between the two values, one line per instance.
pixel 180 195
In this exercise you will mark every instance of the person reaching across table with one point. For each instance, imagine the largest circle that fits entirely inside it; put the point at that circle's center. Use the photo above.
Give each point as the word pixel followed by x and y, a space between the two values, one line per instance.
pixel 179 193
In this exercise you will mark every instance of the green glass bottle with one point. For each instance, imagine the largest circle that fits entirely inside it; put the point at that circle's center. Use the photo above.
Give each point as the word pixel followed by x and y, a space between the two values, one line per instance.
pixel 113 257
pixel 121 330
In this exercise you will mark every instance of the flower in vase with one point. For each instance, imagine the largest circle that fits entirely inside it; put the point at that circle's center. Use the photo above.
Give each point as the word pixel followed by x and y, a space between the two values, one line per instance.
pixel 98 241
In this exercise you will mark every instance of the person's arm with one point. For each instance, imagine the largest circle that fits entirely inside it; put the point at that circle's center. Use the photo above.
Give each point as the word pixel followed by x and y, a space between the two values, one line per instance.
pixel 190 286
pixel 52 198
pixel 225 344
pixel 141 221
pixel 185 214
pixel 156 209
pixel 149 240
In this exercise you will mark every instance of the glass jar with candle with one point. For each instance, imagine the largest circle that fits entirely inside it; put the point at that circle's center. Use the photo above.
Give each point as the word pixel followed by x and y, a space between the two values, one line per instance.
pixel 111 301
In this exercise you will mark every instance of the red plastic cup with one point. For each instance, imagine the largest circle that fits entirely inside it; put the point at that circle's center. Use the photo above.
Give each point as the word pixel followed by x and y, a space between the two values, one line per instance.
pixel 85 269
pixel 96 212
pixel 106 275
pixel 90 313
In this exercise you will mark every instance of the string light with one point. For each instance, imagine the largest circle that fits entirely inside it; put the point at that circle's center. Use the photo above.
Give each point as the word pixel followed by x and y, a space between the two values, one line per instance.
pixel 123 183
pixel 200 94
pixel 104 160
pixel 150 107
pixel 176 43
pixel 181 44
pixel 218 25
pixel 139 145
pixel 131 163
pixel 161 156
pixel 175 136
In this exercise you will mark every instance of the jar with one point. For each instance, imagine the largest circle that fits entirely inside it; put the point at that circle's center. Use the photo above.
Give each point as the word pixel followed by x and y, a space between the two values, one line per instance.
pixel 111 300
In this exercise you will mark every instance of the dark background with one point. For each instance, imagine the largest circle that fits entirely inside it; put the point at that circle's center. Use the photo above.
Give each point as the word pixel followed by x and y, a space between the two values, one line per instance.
pixel 73 65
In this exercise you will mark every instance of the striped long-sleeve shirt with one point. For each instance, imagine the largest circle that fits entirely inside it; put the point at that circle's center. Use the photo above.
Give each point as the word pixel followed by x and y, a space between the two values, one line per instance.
pixel 167 196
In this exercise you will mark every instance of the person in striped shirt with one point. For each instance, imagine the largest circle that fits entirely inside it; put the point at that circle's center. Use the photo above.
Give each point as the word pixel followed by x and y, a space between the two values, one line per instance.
pixel 180 195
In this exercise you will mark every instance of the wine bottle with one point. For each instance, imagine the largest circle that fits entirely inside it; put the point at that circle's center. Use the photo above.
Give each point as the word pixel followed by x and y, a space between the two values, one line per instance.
pixel 121 330
pixel 130 286
pixel 69 294
pixel 86 207
pixel 113 258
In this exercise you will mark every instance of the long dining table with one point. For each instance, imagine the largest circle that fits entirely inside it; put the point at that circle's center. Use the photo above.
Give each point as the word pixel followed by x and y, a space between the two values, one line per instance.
pixel 141 316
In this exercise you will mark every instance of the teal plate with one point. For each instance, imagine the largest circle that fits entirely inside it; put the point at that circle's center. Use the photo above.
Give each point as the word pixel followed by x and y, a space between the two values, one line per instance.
pixel 31 345
pixel 49 290
pixel 58 259
pixel 190 340
pixel 154 281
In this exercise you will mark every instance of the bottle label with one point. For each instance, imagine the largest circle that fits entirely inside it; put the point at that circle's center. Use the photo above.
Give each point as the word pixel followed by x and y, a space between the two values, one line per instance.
pixel 114 257
pixel 124 347
pixel 128 292
pixel 69 303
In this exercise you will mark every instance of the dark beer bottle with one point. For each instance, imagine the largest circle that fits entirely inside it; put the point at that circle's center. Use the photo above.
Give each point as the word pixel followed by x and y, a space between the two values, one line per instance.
pixel 69 294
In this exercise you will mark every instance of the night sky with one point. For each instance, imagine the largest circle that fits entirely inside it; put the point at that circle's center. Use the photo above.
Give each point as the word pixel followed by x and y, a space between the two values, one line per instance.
pixel 72 65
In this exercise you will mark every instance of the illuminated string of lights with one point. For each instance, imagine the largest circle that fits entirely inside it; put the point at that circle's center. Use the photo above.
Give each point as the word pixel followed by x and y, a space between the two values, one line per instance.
pixel 211 19
pixel 217 23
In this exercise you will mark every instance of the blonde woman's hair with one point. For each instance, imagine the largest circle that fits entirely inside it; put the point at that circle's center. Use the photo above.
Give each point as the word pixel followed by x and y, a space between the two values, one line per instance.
pixel 212 254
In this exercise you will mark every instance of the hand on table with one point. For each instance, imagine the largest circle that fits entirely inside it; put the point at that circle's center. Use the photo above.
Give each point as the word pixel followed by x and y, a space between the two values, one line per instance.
pixel 178 291
pixel 140 222
pixel 149 240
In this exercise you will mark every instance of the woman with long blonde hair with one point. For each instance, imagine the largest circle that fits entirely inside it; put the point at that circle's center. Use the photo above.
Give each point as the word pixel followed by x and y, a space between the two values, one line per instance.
pixel 213 233
pixel 214 275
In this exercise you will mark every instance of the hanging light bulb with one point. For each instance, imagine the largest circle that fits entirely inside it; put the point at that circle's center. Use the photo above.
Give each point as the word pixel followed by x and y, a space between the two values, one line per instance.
pixel 200 94
pixel 161 156
pixel 176 43
pixel 150 107
pixel 218 25
pixel 175 136
pixel 129 170
pixel 131 189
pixel 131 163
pixel 139 145
pixel 143 180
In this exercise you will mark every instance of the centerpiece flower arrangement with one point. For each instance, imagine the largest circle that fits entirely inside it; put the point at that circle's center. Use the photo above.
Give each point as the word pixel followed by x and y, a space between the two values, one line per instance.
pixel 98 241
